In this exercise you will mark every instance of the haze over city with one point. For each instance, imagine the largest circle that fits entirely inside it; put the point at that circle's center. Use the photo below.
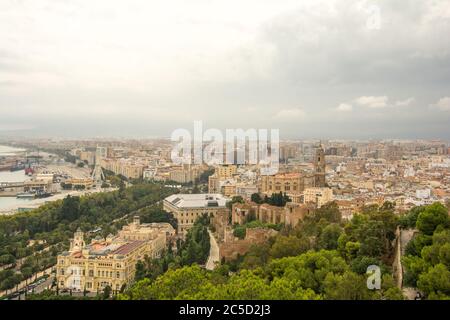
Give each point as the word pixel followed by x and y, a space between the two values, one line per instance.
pixel 315 69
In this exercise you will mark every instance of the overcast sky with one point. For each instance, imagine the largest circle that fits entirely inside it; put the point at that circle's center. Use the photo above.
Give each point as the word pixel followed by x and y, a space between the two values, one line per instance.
pixel 313 69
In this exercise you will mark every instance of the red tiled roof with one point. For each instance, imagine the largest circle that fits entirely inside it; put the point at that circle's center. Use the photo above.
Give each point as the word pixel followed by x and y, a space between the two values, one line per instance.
pixel 77 254
pixel 127 248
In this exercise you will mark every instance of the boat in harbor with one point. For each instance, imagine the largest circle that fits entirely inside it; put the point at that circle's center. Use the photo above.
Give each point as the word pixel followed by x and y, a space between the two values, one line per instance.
pixel 40 195
pixel 26 195
pixel 29 171
pixel 18 167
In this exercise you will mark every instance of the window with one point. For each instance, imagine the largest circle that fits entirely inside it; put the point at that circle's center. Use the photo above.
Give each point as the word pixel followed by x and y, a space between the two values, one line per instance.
pixel 117 275
pixel 91 273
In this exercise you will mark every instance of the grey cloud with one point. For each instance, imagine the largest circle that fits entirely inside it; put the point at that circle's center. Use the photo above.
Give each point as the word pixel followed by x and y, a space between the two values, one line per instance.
pixel 306 58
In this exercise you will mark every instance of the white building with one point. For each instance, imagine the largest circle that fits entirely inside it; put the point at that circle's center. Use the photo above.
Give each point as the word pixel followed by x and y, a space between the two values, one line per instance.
pixel 423 193
pixel 186 208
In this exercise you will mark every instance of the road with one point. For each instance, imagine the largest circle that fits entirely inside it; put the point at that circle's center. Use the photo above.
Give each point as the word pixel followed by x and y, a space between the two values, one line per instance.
pixel 214 257
pixel 406 236
pixel 26 282
pixel 38 289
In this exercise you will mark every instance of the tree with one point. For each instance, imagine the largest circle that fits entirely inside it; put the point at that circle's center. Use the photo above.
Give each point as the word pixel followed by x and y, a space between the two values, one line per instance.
pixel 235 199
pixel 360 264
pixel 257 256
pixel 329 237
pixel 70 208
pixel 435 282
pixel 330 212
pixel 140 271
pixel 7 259
pixel 433 216
pixel 204 176
pixel 409 220
pixel 239 231
pixel 255 197
pixel 277 199
pixel 348 286
pixel 285 246
pixel 106 293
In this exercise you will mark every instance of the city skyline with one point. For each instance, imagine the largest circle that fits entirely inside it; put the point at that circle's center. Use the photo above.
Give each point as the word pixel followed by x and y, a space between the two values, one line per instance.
pixel 316 69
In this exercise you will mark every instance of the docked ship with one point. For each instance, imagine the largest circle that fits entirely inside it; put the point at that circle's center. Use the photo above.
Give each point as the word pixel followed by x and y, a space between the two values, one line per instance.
pixel 42 194
pixel 29 171
pixel 18 166
pixel 26 195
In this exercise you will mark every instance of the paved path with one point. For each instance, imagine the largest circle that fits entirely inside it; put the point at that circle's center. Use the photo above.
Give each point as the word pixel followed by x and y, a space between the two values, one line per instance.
pixel 213 258
pixel 406 236
pixel 38 289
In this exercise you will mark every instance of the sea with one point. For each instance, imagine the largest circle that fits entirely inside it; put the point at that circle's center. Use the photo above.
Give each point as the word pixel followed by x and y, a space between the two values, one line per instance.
pixel 8 176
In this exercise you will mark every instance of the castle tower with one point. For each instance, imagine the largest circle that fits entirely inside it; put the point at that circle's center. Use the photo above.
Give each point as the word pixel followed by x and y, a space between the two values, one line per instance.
pixel 77 243
pixel 319 168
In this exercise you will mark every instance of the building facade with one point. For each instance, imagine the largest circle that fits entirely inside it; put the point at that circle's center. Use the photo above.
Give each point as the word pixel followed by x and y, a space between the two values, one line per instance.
pixel 110 261
pixel 186 208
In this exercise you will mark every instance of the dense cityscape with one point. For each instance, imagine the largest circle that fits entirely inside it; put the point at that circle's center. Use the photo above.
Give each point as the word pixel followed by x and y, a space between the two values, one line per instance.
pixel 224 159
pixel 222 218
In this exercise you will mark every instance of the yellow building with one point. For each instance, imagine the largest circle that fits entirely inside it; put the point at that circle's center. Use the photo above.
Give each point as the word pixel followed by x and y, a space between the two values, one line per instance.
pixel 225 171
pixel 125 167
pixel 184 174
pixel 319 196
pixel 289 183
pixel 228 189
pixel 111 261
pixel 213 184
pixel 80 183
pixel 37 186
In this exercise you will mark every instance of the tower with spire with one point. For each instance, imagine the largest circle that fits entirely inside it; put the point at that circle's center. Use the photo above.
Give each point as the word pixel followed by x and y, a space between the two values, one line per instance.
pixel 77 243
pixel 319 167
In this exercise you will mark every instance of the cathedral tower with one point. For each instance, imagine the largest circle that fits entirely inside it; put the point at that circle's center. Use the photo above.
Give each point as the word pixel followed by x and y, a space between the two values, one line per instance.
pixel 319 168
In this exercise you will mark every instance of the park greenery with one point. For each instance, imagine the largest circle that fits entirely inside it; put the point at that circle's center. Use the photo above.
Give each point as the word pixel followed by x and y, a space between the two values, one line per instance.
pixel 276 199
pixel 323 257
pixel 427 259
pixel 25 235
pixel 195 249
